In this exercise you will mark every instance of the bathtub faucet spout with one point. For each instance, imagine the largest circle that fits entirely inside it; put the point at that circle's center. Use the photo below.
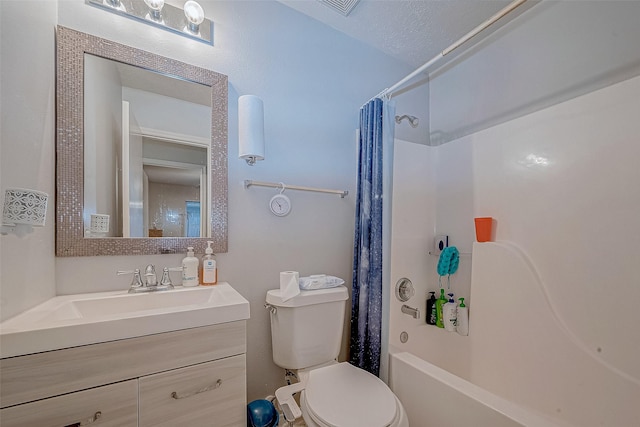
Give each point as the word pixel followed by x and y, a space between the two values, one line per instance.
pixel 414 312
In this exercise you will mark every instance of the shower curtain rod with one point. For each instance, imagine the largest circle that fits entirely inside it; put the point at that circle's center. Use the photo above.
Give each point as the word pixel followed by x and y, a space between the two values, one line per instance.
pixel 388 92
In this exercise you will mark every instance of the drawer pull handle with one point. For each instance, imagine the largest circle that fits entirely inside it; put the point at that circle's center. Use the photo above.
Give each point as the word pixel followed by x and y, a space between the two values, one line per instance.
pixel 88 421
pixel 176 396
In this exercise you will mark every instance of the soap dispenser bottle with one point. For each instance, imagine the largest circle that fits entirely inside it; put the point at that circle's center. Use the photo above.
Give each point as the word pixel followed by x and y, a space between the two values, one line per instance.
pixel 209 269
pixel 190 266
pixel 449 314
pixel 432 316
pixel 439 305
pixel 463 318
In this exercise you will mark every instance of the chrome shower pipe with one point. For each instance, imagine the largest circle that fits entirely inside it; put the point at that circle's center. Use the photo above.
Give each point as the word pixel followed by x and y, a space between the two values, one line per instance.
pixel 413 120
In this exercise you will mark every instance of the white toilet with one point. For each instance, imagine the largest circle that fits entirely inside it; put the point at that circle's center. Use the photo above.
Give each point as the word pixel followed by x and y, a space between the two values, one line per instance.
pixel 306 333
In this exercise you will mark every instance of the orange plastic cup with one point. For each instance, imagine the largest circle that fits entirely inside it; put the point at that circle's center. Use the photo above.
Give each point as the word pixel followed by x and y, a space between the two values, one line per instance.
pixel 483 228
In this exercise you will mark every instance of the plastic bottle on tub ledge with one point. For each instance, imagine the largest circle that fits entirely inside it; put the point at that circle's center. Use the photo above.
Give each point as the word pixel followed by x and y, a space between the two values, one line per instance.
pixel 450 314
pixel 463 318
pixel 439 306
pixel 432 315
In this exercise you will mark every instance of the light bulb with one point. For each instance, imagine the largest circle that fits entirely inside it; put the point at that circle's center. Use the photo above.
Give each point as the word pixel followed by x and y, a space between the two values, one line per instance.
pixel 154 4
pixel 194 14
pixel 155 7
pixel 117 4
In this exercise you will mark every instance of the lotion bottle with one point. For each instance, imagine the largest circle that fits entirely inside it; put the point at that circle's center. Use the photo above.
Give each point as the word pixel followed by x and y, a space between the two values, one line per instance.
pixel 209 269
pixel 439 305
pixel 449 314
pixel 432 316
pixel 463 318
pixel 190 266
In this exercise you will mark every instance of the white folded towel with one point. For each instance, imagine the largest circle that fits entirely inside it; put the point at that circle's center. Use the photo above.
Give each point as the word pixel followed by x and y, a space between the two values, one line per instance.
pixel 319 281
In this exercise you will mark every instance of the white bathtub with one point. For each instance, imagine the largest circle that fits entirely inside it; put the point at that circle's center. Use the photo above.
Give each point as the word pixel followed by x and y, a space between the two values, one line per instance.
pixel 434 397
pixel 532 369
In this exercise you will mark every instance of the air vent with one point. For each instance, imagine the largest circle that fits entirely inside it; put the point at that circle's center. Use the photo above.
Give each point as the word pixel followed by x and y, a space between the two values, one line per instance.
pixel 343 6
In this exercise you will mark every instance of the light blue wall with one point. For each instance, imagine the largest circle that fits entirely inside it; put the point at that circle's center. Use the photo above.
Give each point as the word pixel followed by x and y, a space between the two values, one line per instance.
pixel 27 266
pixel 312 80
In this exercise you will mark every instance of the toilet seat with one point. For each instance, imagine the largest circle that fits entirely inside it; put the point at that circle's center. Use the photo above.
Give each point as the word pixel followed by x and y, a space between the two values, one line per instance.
pixel 342 395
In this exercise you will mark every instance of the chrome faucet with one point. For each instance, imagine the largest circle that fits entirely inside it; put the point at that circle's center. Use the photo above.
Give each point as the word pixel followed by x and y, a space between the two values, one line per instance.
pixel 150 276
pixel 151 280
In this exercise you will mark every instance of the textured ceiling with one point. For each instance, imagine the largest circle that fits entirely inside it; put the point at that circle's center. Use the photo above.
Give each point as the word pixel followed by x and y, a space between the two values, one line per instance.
pixel 410 31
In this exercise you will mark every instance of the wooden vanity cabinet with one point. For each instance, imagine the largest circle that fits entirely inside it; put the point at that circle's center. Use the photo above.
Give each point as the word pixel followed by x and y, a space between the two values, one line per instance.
pixel 201 395
pixel 194 377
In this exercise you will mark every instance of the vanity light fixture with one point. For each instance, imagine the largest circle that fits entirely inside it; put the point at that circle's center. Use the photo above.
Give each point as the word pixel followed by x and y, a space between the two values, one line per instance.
pixel 188 21
pixel 116 4
pixel 155 9
pixel 195 16
pixel 250 129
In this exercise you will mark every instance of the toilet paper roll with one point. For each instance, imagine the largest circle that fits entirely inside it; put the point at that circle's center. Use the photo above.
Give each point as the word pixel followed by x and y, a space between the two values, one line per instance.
pixel 289 284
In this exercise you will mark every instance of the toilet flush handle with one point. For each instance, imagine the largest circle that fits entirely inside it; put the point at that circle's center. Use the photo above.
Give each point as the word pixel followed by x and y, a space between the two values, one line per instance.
pixel 287 403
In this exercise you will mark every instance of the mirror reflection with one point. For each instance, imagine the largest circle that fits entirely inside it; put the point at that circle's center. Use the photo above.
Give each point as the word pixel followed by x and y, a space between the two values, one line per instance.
pixel 146 149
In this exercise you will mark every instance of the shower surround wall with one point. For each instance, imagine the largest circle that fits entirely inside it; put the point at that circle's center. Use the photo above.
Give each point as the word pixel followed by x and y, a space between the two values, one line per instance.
pixel 562 184
pixel 546 144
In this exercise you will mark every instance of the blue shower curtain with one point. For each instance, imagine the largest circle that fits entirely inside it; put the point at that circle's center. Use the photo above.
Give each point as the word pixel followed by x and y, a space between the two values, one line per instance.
pixel 367 291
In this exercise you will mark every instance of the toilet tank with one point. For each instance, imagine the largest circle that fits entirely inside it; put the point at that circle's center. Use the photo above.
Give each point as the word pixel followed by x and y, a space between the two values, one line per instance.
pixel 306 330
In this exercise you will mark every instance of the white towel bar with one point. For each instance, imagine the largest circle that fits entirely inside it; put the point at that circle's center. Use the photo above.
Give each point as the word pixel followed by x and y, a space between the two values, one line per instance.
pixel 248 183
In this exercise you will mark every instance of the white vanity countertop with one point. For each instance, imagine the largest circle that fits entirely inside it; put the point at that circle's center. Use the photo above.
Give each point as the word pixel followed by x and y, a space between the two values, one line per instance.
pixel 81 319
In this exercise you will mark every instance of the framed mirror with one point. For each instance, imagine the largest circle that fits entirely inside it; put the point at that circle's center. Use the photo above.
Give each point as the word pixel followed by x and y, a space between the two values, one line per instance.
pixel 141 164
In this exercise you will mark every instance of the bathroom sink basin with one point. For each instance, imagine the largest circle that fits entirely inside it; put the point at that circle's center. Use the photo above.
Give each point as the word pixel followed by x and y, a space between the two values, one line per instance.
pixel 122 304
pixel 73 320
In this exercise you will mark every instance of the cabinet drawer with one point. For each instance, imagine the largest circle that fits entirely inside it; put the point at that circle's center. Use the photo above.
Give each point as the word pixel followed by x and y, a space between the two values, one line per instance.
pixel 208 394
pixel 114 405
pixel 38 376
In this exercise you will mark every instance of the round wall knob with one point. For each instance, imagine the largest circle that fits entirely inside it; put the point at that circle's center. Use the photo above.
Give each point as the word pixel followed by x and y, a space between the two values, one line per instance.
pixel 404 289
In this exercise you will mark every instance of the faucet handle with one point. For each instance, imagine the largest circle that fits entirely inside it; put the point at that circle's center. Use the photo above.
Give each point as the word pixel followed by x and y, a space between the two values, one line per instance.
pixel 165 282
pixel 136 282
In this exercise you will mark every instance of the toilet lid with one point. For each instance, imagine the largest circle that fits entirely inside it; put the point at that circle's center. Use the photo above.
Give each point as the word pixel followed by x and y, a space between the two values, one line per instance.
pixel 342 395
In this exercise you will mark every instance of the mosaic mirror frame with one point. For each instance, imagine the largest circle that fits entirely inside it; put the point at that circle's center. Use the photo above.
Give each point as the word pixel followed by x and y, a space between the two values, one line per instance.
pixel 70 240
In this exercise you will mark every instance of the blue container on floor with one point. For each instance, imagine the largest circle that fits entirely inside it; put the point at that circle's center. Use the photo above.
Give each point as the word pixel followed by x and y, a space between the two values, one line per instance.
pixel 262 413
